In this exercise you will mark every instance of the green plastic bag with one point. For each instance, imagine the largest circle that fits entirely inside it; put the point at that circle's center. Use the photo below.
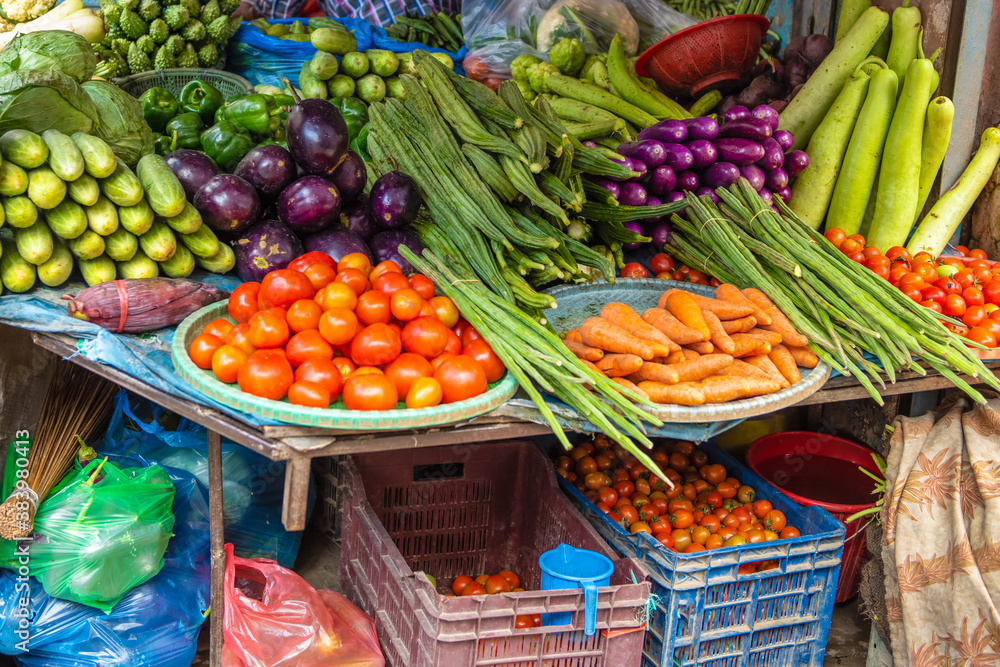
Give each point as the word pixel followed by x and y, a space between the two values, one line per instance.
pixel 101 532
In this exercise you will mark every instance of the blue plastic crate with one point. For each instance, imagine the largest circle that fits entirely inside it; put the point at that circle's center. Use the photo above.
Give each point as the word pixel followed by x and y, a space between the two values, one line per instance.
pixel 708 615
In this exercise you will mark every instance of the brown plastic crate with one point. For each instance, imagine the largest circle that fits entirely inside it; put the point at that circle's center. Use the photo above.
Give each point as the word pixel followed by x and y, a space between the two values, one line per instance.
pixel 468 510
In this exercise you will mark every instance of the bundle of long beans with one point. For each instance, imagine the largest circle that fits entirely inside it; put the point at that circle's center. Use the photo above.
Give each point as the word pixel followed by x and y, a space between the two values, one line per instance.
pixel 536 356
pixel 843 308
pixel 704 10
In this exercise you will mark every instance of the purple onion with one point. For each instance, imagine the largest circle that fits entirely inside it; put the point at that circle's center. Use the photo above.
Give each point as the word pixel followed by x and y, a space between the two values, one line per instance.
pixel 688 180
pixel 705 191
pixel 754 174
pixel 765 195
pixel 704 152
pixel 632 226
pixel 632 194
pixel 795 163
pixel 666 131
pixel 784 193
pixel 661 180
pixel 652 201
pixel 775 179
pixel 738 112
pixel 610 186
pixel 589 144
pixel 639 167
pixel 784 139
pixel 659 232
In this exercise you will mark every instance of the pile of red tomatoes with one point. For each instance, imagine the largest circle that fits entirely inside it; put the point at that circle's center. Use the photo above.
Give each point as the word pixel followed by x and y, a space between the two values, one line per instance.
pixel 966 288
pixel 664 267
pixel 321 329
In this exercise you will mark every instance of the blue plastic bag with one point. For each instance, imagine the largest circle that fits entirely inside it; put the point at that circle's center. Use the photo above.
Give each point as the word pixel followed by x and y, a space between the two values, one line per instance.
pixel 265 60
pixel 252 488
pixel 154 625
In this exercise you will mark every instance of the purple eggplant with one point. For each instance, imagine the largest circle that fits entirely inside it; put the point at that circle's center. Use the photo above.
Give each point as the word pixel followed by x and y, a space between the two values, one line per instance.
pixel 350 177
pixel 632 226
pixel 795 163
pixel 589 144
pixel 753 174
pixel 269 246
pixel 688 180
pixel 746 128
pixel 775 179
pixel 228 204
pixel 737 112
pixel 705 191
pixel 784 139
pixel 632 194
pixel 639 167
pixel 357 217
pixel 650 151
pixel 192 169
pixel 784 193
pixel 309 205
pixel 613 189
pixel 338 241
pixel 765 195
pixel 386 244
pixel 317 136
pixel 679 157
pixel 647 222
pixel 666 131
pixel 766 113
pixel 674 196
pixel 624 161
pixel 395 200
pixel 269 168
pixel 659 232
pixel 703 127
pixel 721 175
pixel 661 180
pixel 739 151
pixel 774 157
pixel 704 153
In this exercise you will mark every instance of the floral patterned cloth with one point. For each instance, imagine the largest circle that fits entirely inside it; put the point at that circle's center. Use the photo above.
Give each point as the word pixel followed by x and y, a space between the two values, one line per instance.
pixel 941 548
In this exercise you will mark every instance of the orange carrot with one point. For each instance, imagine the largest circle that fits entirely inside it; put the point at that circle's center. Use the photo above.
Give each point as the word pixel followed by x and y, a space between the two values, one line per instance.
pixel 690 355
pixel 610 338
pixel 725 310
pixel 780 324
pixel 770 336
pixel 720 338
pixel 742 325
pixel 591 366
pixel 623 316
pixel 742 368
pixel 682 306
pixel 619 365
pixel 785 363
pixel 687 393
pixel 675 357
pixel 631 386
pixel 732 294
pixel 804 357
pixel 688 371
pixel 764 363
pixel 760 299
pixel 672 327
pixel 701 348
pixel 584 351
pixel 735 388
pixel 573 335
pixel 747 345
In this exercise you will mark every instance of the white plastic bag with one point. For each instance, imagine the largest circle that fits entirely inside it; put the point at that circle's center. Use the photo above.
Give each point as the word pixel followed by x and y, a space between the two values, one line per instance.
pixel 656 20
pixel 593 22
pixel 496 32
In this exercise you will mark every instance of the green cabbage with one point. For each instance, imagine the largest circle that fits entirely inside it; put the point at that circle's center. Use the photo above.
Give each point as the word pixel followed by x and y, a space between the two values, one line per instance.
pixel 40 100
pixel 59 50
pixel 122 125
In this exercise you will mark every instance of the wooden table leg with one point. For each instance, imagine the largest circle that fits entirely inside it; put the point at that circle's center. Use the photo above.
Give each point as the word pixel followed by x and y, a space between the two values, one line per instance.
pixel 216 522
pixel 296 497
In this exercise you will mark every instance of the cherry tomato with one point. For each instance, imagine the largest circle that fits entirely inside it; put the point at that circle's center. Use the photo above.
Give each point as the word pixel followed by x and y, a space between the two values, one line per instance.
pixel 426 336
pixel 926 271
pixel 309 394
pixel 978 253
pixel 973 316
pixel 856 257
pixel 982 336
pixel 370 392
pixel 423 285
pixel 487 358
pixel 962 250
pixel 954 305
pixel 461 377
pixel 445 310
pixel 243 302
pixel 788 532
pixel 923 256
pixel 337 295
pixel 897 272
pixel 835 236
pixel 356 260
pixel 303 315
pixel 355 279
pixel 966 277
pixel 775 520
pixel 877 261
pixel 991 325
pixel 387 266
pixel 949 285
pixel 320 275
pixel 849 245
pixel 269 328
pixel 661 263
pixel 266 373
pixel 761 508
pixel 202 348
pixel 912 279
pixel 338 326
pixel 991 291
pixel 898 251
pixel 282 288
pixel 634 270
pixel 303 262
pixel 226 362
pixel 322 372
pixel 406 304
pixel 391 282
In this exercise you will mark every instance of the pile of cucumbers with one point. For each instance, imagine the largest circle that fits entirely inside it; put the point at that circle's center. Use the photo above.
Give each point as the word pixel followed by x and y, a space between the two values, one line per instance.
pixel 68 201
pixel 297 31
pixel 371 75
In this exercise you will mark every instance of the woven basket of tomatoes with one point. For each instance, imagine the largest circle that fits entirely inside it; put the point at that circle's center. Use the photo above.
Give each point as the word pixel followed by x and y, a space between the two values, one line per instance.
pixel 341 345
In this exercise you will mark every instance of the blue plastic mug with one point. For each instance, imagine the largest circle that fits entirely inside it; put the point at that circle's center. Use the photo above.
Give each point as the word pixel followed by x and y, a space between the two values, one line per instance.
pixel 569 567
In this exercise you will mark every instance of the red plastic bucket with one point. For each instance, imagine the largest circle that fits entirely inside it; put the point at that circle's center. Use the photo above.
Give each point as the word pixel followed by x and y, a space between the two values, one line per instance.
pixel 817 469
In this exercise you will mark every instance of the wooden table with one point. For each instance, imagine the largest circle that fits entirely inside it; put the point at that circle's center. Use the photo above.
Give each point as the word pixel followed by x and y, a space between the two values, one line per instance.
pixel 297 446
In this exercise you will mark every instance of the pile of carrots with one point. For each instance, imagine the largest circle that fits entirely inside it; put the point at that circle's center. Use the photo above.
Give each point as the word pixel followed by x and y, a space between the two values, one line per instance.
pixel 694 350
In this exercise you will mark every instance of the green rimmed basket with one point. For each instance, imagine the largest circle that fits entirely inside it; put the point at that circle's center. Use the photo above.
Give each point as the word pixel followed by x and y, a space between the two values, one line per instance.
pixel 175 78
pixel 336 417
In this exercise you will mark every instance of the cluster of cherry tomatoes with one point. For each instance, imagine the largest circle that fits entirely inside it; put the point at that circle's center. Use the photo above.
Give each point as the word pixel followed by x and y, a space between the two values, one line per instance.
pixel 320 329
pixel 664 267
pixel 965 289
pixel 504 581
pixel 706 508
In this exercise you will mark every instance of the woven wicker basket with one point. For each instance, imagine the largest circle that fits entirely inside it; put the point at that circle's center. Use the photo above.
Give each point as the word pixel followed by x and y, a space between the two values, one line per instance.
pixel 174 79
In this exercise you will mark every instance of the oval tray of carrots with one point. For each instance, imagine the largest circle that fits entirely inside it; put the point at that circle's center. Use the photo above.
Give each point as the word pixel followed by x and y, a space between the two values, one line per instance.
pixel 701 354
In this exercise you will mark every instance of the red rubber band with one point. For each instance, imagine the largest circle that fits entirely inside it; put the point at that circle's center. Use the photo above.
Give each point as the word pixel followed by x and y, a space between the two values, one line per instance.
pixel 123 302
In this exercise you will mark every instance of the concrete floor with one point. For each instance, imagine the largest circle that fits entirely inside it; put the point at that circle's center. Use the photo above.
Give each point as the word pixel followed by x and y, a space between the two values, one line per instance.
pixel 847 644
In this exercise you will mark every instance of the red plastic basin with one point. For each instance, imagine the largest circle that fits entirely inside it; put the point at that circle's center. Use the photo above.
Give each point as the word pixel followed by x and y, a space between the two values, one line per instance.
pixel 817 469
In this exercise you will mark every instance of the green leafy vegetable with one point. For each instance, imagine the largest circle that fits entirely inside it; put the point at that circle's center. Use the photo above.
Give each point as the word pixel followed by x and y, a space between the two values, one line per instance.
pixel 122 125
pixel 59 50
pixel 40 100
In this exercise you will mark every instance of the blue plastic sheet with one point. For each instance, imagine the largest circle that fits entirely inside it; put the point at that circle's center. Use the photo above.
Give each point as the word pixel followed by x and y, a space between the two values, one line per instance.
pixel 155 624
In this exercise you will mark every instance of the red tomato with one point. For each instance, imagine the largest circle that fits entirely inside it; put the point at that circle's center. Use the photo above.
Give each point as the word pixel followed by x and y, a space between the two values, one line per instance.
pixel 307 345
pixel 202 348
pixel 445 310
pixel 240 337
pixel 849 245
pixel 873 262
pixel 954 305
pixel 835 236
pixel 370 392
pixel 897 272
pixel 269 328
pixel 872 252
pixel 345 366
pixel 338 326
pixel 377 344
pixel 407 368
pixel 912 292
pixel 634 270
pixel 320 275
pixel 926 271
pixel 966 277
pixel 266 374
pixel 391 282
pixel 949 285
pixel 912 279
pixel 661 263
pixel 284 287
pixel 978 253
pixel 440 359
pixel 218 328
pixel 962 250
pixel 468 335
pixel 481 351
pixel 973 296
pixel 454 344
pixel 303 262
pixel 303 315
pixel 373 307
pixel 933 293
pixel 243 302
pixel 881 271
pixel 336 295
pixel 354 279
pixel 309 394
pixel 322 372
pixel 982 336
pixel 991 291
pixel 973 316
pixel 933 305
pixel 423 285
pixel 356 260
pixel 898 251
pixel 384 267
pixel 227 360
pixel 856 256
pixel 406 304
pixel 461 377
pixel 426 336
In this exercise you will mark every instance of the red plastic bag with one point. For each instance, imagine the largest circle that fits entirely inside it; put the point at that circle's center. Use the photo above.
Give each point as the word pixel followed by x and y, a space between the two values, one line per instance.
pixel 274 618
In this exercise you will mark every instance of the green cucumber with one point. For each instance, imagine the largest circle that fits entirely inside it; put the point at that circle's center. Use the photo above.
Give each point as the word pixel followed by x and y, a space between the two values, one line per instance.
pixel 88 245
pixel 102 217
pixel 68 220
pixel 65 158
pixel 100 269
pixel 24 148
pixel 202 242
pixel 311 85
pixel 16 274
pixel 13 180
pixel 221 262
pixel 159 243
pixel 164 192
pixel 140 266
pixel 34 243
pixel 20 211
pixel 187 221
pixel 123 187
pixel 84 190
pixel 59 266
pixel 136 219
pixel 180 265
pixel 98 158
pixel 45 189
pixel 121 245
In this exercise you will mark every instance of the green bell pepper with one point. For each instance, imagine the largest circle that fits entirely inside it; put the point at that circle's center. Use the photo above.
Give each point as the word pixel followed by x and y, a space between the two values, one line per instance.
pixel 188 127
pixel 158 106
pixel 226 143
pixel 359 144
pixel 164 144
pixel 202 98
pixel 252 112
pixel 355 113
